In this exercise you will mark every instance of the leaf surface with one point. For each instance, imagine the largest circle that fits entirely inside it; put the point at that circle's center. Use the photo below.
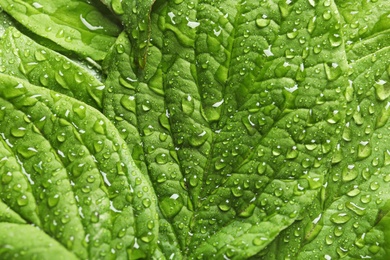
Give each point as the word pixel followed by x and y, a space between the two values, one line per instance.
pixel 75 178
pixel 74 25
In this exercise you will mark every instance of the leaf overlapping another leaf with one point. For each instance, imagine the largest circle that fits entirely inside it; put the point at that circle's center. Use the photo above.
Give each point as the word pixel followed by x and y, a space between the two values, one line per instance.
pixel 240 129
pixel 77 181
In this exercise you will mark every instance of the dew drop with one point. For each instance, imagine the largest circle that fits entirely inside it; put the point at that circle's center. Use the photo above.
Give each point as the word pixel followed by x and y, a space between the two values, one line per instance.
pixel 18 132
pixel 261 22
pixel 382 89
pixel 350 173
pixel 224 207
pixel 22 200
pixel 162 158
pixel 120 48
pixel 340 218
pixel 53 200
pixel 332 71
pixel 335 40
pixel 355 208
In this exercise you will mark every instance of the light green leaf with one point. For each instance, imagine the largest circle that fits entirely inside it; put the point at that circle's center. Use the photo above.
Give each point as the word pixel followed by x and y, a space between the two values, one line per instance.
pixel 41 66
pixel 20 241
pixel 230 129
pixel 74 25
pixel 74 173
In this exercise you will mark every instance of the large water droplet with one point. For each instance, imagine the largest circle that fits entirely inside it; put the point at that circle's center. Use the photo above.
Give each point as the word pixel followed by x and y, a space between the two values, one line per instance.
pixel 22 200
pixel 355 208
pixel 382 89
pixel 332 71
pixel 53 200
pixel 262 22
pixel 340 218
pixel 350 173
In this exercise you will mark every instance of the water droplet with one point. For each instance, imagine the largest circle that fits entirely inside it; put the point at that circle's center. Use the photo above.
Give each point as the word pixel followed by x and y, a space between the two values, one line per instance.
pixel 332 71
pixel 335 40
pixel 364 150
pixel 353 192
pixel 146 203
pixel 237 192
pixel 161 178
pixel 340 218
pixel 261 169
pixel 347 134
pixel 350 173
pixel 18 132
pixel 65 219
pixel 162 158
pixel 261 22
pixel 188 105
pixel 224 207
pixel 120 48
pixel 79 110
pixel 197 139
pixel 329 239
pixel 365 198
pixel 194 181
pixel 311 25
pixel 374 185
pixel 220 164
pixel 22 200
pixel 116 6
pixel 95 217
pixel 355 208
pixel 99 127
pixel 382 118
pixel 79 77
pixel 338 231
pixel 44 79
pixel 292 35
pixel 327 15
pixel 127 82
pixel 40 55
pixel 258 241
pixel 60 34
pixel 284 8
pixel 374 249
pixel 382 89
pixel 146 106
pixel 53 200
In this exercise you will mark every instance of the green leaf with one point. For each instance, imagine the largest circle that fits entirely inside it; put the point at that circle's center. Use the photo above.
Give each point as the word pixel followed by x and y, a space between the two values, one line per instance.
pixel 346 219
pixel 135 16
pixel 20 241
pixel 44 67
pixel 230 129
pixel 70 168
pixel 248 163
pixel 74 25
